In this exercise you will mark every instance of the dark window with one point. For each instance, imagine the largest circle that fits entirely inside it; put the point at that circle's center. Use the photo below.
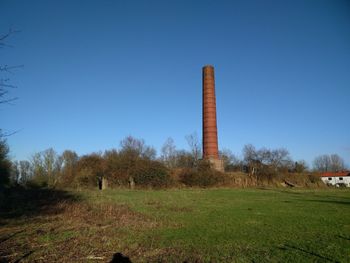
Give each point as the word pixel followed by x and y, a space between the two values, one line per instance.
pixel 340 178
pixel 329 178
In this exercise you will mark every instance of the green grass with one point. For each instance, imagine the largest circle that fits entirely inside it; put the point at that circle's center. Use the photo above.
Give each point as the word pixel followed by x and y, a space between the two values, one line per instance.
pixel 209 225
pixel 244 224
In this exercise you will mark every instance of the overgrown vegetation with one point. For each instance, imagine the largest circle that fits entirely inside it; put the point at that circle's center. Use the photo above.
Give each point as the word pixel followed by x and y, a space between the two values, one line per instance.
pixel 202 176
pixel 136 164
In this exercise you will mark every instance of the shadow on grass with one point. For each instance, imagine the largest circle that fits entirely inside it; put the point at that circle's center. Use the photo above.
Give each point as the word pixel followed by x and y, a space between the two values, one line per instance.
pixel 20 202
pixel 337 202
pixel 311 253
pixel 290 192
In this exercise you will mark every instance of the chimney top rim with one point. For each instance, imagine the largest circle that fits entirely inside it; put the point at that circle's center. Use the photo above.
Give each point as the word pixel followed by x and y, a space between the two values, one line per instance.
pixel 208 66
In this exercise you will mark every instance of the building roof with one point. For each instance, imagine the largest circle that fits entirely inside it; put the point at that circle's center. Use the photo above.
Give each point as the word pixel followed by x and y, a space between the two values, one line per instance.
pixel 335 174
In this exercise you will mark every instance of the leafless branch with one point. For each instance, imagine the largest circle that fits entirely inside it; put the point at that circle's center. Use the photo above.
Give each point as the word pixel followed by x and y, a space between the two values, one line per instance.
pixel 4 85
pixel 8 69
pixel 8 101
pixel 5 36
pixel 4 92
pixel 7 134
pixel 8 34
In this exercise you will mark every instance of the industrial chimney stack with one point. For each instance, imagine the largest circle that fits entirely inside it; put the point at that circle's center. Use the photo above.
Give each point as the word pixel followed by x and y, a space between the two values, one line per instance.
pixel 210 134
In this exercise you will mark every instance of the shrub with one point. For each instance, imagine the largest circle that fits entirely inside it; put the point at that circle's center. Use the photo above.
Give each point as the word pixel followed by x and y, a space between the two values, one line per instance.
pixel 150 173
pixel 203 176
pixel 117 167
pixel 85 178
pixel 89 169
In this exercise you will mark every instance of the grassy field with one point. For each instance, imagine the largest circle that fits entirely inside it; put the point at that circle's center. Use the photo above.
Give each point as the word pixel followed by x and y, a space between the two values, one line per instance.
pixel 193 225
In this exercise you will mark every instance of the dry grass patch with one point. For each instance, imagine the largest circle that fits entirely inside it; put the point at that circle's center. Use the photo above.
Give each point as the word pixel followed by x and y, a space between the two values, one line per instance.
pixel 72 232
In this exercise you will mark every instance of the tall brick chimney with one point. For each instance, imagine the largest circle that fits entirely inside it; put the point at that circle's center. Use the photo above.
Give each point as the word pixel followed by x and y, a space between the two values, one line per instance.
pixel 210 134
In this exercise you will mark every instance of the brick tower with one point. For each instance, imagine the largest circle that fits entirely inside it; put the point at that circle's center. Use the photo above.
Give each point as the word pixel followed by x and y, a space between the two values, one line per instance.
pixel 210 133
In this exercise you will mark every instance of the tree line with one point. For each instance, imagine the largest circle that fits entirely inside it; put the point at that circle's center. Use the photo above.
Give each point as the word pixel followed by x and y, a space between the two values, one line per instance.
pixel 136 163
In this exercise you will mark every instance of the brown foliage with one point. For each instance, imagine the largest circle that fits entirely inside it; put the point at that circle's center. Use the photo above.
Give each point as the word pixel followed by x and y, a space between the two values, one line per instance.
pixel 89 169
pixel 202 176
pixel 120 167
pixel 150 173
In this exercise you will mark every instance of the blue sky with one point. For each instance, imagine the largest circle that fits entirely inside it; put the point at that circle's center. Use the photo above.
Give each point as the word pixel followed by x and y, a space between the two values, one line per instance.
pixel 97 71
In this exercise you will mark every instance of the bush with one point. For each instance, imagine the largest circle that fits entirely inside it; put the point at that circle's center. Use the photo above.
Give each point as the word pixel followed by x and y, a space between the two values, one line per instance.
pixel 85 178
pixel 89 169
pixel 203 176
pixel 117 167
pixel 126 166
pixel 150 173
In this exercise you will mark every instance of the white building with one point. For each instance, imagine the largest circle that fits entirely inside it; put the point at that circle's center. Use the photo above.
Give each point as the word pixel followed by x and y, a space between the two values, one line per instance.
pixel 337 179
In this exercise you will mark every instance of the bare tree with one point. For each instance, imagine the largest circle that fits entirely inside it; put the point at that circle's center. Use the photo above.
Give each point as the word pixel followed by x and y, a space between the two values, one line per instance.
pixel 249 153
pixel 322 163
pixel 37 165
pixel 266 161
pixel 15 173
pixel 137 147
pixel 279 158
pixel 231 162
pixel 337 163
pixel 47 167
pixel 195 147
pixel 49 156
pixel 328 163
pixel 300 166
pixel 25 171
pixel 168 153
pixel 52 166
pixel 250 157
pixel 5 85
pixel 6 70
pixel 149 152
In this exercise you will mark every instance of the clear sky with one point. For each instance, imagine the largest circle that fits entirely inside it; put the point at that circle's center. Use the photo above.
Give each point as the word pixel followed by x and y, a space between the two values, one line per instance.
pixel 97 71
